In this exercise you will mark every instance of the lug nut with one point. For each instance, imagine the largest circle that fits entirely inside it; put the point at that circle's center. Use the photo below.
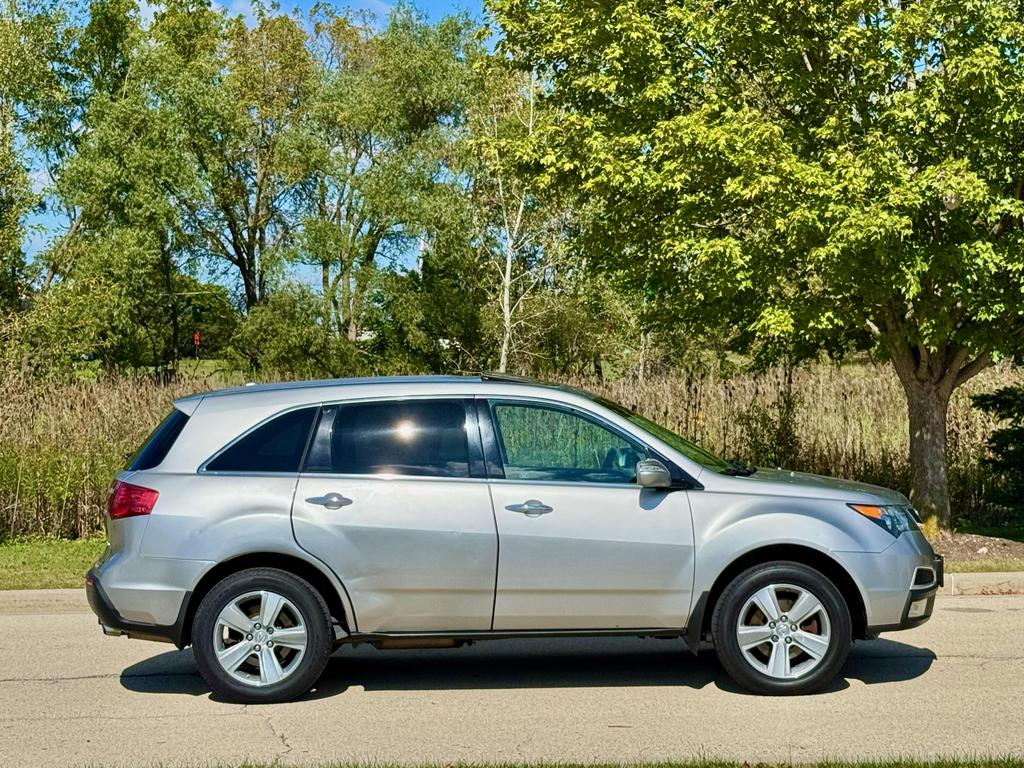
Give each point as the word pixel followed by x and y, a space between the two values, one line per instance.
pixel 793 627
pixel 256 648
pixel 270 630
pixel 775 638
pixel 248 637
pixel 257 625
pixel 771 625
pixel 270 644
pixel 782 619
pixel 789 640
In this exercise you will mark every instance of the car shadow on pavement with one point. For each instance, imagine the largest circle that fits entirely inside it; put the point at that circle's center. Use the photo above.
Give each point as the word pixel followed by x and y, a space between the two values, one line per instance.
pixel 503 664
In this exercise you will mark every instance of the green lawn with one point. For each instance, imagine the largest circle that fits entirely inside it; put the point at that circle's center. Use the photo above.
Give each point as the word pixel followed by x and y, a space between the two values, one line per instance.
pixel 985 566
pixel 46 563
pixel 57 563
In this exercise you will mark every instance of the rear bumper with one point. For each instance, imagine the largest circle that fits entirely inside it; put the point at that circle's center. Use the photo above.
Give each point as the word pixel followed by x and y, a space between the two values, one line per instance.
pixel 114 624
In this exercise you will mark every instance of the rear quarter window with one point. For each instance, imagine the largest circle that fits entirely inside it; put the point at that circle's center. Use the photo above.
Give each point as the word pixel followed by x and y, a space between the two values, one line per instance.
pixel 155 449
pixel 275 446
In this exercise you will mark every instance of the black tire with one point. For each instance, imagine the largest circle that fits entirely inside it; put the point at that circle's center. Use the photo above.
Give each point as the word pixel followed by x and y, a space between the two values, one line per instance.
pixel 315 616
pixel 727 614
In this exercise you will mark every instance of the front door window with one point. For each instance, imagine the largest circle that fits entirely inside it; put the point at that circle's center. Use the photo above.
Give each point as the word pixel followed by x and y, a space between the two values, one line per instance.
pixel 542 443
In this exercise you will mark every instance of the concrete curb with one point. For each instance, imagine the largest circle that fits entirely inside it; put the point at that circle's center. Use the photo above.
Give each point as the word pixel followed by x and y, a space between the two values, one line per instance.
pixel 24 601
pixel 13 601
pixel 1006 583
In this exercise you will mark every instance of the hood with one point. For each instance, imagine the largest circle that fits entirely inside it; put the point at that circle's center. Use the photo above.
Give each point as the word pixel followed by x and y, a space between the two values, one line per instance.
pixel 786 483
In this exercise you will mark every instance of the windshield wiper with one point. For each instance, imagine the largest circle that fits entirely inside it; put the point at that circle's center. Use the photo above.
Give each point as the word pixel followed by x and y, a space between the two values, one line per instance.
pixel 739 469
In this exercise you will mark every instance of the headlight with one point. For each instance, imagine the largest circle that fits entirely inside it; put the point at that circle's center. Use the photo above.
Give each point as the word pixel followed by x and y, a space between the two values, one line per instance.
pixel 895 520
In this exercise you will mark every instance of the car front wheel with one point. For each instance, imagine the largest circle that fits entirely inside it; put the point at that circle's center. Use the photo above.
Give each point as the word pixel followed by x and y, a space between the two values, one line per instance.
pixel 782 628
pixel 262 635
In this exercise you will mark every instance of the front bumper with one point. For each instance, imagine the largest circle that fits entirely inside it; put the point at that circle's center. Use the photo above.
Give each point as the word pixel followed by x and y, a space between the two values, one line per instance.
pixel 919 604
pixel 114 624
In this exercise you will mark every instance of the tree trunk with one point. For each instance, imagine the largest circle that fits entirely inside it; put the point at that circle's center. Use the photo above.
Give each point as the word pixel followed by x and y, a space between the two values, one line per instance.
pixel 506 311
pixel 249 285
pixel 927 405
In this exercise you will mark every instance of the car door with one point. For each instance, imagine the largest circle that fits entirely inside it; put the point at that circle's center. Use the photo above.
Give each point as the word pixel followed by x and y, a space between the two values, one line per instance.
pixel 581 545
pixel 393 498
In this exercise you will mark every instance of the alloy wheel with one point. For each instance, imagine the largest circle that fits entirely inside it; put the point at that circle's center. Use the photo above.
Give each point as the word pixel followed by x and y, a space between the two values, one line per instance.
pixel 259 638
pixel 783 631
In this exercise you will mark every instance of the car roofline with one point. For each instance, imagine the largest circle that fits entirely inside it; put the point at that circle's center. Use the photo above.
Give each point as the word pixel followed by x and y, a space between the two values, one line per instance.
pixel 189 402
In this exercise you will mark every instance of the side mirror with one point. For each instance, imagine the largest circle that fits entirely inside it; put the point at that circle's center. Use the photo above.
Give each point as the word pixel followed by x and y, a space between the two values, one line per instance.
pixel 651 473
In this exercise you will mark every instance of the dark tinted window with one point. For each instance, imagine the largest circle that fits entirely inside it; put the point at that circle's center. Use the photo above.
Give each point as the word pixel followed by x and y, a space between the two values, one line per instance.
pixel 540 443
pixel 277 446
pixel 155 449
pixel 413 437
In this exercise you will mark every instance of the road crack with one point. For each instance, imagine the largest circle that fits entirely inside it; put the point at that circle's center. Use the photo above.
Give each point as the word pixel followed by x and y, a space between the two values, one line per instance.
pixel 278 734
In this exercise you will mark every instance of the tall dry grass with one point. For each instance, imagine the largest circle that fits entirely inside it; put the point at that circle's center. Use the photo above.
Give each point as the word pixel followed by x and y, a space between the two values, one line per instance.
pixel 60 444
pixel 848 421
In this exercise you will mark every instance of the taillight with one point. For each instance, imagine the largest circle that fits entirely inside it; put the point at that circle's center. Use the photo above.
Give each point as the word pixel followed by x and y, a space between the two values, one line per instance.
pixel 127 500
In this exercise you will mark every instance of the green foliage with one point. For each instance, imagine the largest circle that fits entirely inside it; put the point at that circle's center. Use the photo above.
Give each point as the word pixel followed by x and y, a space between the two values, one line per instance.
pixel 804 175
pixel 772 431
pixel 1005 456
pixel 839 176
pixel 284 336
pixel 15 200
pixel 377 140
pixel 430 319
pixel 621 191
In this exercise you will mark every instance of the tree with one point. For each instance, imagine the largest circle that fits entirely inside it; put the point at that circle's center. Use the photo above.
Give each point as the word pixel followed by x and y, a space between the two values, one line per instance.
pixel 378 136
pixel 284 336
pixel 16 199
pixel 236 96
pixel 518 227
pixel 1005 459
pixel 34 35
pixel 833 175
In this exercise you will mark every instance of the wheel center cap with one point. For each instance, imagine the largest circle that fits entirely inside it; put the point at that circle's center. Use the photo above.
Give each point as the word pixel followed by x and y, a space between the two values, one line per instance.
pixel 259 636
pixel 783 628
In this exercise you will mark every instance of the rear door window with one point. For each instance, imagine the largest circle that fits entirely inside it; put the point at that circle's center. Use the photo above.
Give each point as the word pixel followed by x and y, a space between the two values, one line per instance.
pixel 275 446
pixel 426 438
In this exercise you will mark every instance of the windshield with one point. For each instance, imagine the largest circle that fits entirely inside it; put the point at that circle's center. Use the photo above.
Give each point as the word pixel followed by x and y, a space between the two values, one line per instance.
pixel 688 449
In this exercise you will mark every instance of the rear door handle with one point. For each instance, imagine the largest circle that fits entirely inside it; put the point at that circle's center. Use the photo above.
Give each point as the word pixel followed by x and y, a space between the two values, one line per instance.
pixel 330 501
pixel 530 508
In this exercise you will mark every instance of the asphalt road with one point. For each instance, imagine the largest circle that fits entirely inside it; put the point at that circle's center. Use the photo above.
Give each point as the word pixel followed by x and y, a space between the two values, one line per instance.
pixel 70 696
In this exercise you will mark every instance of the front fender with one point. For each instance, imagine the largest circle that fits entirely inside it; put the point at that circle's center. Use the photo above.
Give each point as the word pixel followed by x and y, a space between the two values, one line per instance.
pixel 729 526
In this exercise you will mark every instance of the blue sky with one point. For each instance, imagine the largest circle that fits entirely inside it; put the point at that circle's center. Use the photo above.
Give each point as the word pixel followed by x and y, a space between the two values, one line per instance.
pixel 435 9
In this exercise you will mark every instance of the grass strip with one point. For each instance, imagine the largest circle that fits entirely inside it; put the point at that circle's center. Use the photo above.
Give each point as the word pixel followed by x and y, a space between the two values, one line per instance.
pixel 39 563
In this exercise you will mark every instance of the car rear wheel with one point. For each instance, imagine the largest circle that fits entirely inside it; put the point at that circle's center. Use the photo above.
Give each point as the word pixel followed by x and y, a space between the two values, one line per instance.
pixel 262 635
pixel 782 628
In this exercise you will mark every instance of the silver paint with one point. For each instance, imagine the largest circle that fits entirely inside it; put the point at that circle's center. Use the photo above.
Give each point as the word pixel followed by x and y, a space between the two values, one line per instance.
pixel 436 554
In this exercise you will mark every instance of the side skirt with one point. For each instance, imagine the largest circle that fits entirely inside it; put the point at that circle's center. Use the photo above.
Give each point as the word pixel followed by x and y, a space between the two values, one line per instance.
pixel 406 640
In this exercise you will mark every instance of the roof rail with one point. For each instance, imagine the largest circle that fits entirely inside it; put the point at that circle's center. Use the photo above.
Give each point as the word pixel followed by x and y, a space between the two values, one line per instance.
pixel 498 376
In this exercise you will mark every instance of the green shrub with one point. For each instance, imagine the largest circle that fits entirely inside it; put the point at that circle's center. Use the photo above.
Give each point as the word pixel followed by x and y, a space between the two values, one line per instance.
pixel 1005 457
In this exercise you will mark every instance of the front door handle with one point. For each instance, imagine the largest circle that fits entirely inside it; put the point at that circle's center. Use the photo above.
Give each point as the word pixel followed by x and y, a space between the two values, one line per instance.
pixel 329 500
pixel 530 508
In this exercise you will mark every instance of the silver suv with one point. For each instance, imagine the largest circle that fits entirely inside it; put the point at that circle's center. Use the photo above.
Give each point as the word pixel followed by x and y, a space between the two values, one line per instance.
pixel 267 525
